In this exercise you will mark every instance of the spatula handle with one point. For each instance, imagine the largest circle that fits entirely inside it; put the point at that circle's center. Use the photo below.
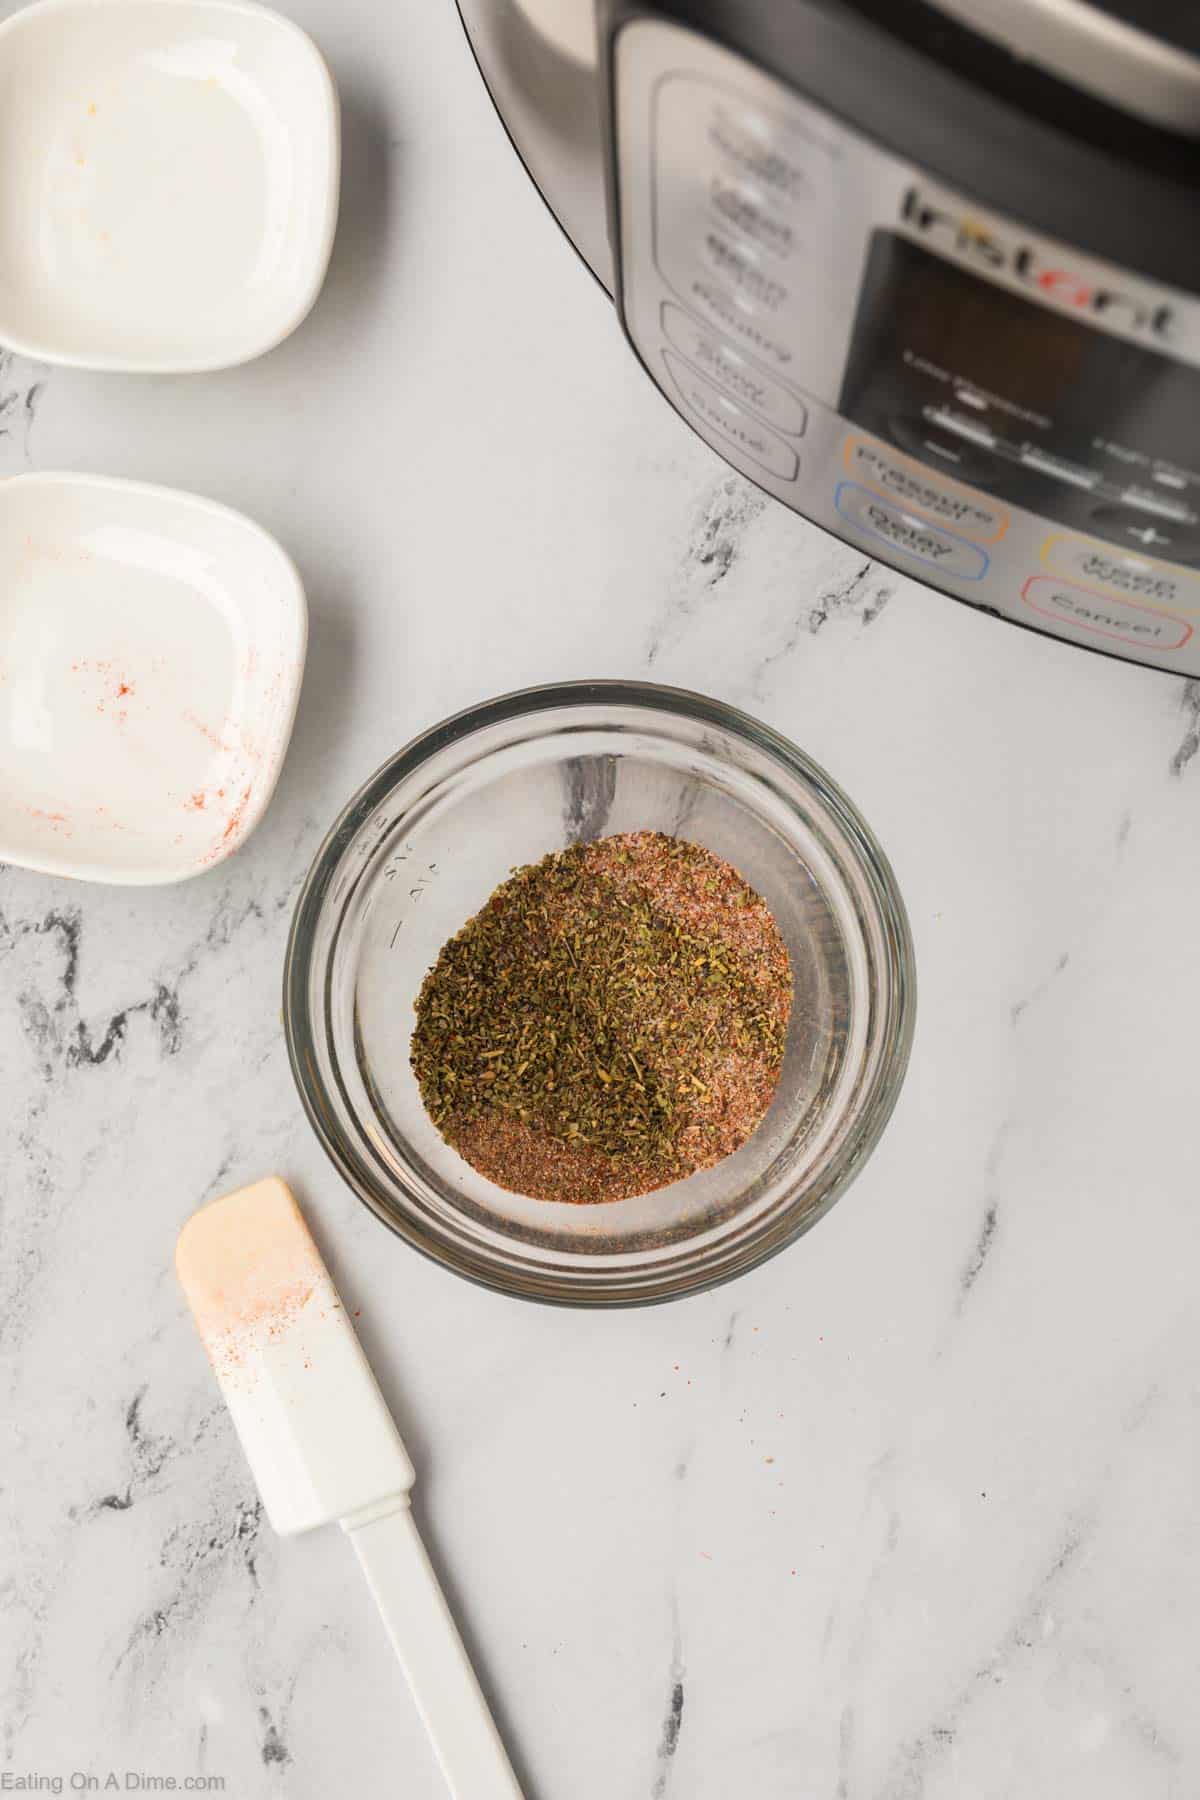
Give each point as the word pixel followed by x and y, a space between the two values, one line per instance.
pixel 426 1640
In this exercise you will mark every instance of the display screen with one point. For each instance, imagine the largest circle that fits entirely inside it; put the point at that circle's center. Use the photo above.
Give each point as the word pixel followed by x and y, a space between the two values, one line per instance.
pixel 1051 413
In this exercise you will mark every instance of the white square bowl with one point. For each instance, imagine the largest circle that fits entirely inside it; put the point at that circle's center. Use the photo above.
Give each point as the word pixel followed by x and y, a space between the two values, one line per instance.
pixel 168 181
pixel 151 651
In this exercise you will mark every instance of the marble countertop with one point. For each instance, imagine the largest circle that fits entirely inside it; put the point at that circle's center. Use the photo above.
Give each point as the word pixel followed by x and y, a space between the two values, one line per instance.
pixel 907 1514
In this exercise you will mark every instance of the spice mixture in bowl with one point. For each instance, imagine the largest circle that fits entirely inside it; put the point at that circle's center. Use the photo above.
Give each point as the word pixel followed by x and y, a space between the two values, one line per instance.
pixel 612 1020
pixel 599 993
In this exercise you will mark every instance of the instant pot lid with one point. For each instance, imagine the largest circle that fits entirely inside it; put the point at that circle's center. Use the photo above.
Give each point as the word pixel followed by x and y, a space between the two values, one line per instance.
pixel 549 104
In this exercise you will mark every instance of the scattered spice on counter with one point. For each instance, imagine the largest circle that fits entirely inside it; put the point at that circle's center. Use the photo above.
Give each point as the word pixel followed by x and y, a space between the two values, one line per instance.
pixel 612 1020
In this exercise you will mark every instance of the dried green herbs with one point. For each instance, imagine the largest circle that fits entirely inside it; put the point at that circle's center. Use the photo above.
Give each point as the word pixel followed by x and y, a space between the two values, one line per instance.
pixel 612 1019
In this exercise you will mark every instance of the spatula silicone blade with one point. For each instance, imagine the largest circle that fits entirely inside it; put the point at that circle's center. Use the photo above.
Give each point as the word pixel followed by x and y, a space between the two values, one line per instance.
pixel 322 1445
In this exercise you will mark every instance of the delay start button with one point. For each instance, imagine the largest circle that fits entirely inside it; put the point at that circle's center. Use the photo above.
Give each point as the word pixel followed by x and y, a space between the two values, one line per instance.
pixel 909 535
pixel 741 378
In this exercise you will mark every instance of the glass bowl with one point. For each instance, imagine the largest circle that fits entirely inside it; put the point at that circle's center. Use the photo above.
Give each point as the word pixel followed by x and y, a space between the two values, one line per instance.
pixel 422 845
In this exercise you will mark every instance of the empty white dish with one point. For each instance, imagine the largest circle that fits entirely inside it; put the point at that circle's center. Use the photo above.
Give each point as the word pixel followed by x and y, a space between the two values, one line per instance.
pixel 168 181
pixel 151 650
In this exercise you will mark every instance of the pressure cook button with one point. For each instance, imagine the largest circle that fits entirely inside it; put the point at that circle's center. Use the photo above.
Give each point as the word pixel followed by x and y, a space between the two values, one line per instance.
pixel 741 379
pixel 911 536
pixel 732 422
pixel 912 484
pixel 1104 616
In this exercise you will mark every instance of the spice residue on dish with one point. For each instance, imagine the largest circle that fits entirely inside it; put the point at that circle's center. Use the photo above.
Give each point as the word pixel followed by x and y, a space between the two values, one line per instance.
pixel 611 1021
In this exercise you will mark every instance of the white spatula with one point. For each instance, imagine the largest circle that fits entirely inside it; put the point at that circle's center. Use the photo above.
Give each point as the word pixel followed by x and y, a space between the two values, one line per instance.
pixel 322 1446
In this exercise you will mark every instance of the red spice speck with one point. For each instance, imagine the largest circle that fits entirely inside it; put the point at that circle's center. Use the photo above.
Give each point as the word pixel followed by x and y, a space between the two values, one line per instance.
pixel 233 827
pixel 196 802
pixel 206 731
pixel 235 817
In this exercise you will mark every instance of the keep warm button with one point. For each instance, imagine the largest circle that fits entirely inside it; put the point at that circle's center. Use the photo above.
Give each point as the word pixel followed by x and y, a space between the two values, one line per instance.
pixel 911 536
pixel 1119 619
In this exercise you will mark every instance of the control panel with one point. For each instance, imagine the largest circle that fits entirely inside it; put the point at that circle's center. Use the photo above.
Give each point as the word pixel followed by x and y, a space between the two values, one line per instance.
pixel 988 411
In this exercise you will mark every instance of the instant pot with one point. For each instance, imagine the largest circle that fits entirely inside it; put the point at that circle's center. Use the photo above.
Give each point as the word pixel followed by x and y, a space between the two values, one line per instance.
pixel 929 275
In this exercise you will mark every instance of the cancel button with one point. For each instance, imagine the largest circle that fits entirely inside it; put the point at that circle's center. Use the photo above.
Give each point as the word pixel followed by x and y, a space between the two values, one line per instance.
pixel 1105 616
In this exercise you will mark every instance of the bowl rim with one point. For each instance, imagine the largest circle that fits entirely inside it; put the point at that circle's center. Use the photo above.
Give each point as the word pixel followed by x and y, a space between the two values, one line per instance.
pixel 896 1036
